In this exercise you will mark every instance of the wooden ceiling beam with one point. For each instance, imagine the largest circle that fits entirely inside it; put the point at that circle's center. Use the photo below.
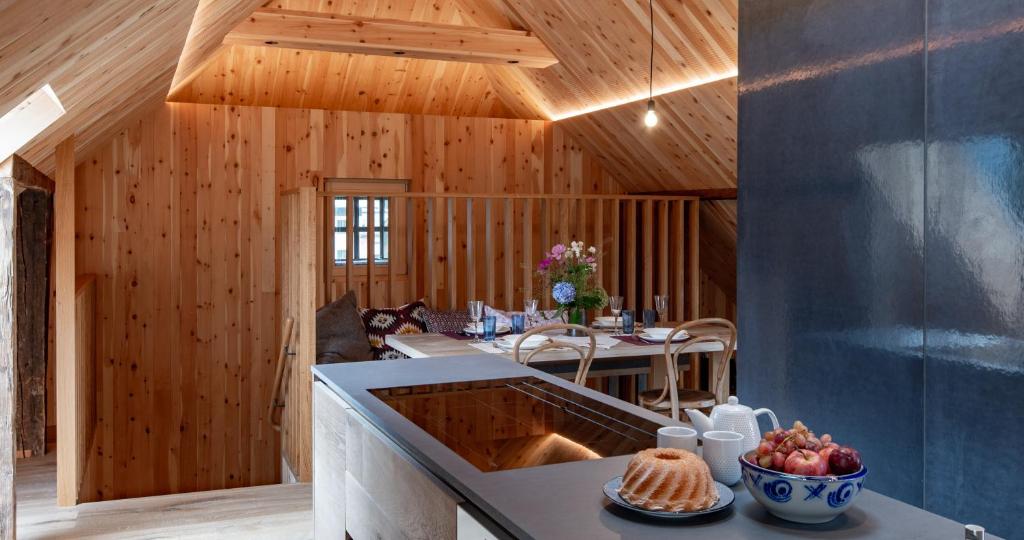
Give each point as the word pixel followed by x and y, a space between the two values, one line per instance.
pixel 338 33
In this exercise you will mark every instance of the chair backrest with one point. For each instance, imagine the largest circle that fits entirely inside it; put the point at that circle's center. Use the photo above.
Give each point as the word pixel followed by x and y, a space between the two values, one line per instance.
pixel 710 330
pixel 586 354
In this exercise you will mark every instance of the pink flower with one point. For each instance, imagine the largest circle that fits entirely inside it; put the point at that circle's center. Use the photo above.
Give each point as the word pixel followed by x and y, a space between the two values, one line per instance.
pixel 590 259
pixel 544 264
pixel 557 250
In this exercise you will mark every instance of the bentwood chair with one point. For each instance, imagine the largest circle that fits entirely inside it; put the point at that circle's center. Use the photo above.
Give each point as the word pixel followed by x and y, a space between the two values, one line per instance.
pixel 673 398
pixel 586 354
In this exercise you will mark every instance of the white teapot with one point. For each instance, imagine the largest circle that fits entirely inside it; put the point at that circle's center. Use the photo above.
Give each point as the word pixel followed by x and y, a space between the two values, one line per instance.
pixel 732 416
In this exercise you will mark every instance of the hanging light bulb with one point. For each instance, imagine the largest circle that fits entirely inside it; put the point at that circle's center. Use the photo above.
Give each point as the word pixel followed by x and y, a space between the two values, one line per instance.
pixel 650 119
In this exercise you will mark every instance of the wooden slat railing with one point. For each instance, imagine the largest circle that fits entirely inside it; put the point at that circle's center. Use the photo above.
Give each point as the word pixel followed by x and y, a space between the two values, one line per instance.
pixel 485 246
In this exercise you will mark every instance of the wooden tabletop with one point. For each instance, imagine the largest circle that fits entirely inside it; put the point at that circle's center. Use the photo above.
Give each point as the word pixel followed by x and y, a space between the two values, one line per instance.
pixel 434 345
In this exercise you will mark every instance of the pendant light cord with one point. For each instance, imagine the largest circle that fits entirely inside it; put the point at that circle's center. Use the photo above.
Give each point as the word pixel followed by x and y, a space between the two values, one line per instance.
pixel 650 77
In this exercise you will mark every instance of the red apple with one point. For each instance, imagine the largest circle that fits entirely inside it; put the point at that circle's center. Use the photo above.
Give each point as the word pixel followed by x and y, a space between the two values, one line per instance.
pixel 778 461
pixel 806 462
pixel 843 460
pixel 825 452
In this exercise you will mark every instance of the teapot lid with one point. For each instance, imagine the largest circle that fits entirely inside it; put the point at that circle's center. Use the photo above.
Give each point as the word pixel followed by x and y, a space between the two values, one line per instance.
pixel 733 405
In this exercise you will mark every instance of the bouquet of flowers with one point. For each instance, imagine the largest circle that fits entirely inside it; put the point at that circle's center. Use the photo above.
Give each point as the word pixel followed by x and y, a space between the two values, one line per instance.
pixel 569 271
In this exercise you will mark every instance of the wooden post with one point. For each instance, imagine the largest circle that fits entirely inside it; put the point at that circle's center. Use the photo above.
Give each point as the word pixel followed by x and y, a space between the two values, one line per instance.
pixel 7 505
pixel 65 324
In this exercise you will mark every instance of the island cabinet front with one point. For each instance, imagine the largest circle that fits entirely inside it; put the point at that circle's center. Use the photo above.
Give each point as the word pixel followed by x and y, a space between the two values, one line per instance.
pixel 367 486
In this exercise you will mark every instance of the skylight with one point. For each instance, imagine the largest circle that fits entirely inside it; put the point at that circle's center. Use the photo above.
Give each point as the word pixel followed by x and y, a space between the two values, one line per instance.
pixel 22 123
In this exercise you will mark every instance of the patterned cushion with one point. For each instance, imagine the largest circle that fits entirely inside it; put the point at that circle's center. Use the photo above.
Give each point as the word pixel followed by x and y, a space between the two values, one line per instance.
pixel 446 321
pixel 543 318
pixel 339 332
pixel 378 323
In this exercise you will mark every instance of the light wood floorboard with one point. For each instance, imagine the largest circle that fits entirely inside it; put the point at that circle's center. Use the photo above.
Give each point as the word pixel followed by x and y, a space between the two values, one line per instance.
pixel 271 512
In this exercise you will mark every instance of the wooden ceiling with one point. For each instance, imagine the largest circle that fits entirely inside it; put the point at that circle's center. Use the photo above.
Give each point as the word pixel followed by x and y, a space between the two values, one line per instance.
pixel 104 59
pixel 108 58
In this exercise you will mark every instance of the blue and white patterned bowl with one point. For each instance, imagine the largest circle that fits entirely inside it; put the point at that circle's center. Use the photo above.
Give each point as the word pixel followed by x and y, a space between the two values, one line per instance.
pixel 803 499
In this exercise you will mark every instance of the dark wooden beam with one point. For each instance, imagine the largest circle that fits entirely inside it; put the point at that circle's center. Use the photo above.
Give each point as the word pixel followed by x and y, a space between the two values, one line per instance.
pixel 711 194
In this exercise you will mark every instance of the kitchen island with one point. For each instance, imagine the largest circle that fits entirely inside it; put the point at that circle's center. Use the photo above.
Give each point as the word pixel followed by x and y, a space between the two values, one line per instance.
pixel 395 457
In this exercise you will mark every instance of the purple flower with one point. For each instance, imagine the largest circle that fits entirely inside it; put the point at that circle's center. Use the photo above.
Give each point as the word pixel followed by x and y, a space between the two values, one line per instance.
pixel 544 264
pixel 563 292
pixel 557 251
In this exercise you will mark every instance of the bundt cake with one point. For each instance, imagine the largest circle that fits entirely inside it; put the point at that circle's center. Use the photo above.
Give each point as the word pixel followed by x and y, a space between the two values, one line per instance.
pixel 669 480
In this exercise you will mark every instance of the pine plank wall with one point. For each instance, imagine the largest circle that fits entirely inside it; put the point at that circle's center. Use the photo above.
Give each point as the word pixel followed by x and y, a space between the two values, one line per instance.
pixel 177 218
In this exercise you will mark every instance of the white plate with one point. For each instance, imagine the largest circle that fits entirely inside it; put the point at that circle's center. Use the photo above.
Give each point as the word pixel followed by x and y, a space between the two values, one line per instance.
pixel 498 329
pixel 681 336
pixel 725 498
pixel 509 342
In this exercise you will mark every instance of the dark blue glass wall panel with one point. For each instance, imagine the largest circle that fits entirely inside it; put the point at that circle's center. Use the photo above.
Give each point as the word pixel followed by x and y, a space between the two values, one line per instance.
pixel 974 376
pixel 831 224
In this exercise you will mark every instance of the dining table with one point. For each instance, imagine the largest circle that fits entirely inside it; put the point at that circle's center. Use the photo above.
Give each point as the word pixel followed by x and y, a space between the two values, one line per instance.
pixel 629 355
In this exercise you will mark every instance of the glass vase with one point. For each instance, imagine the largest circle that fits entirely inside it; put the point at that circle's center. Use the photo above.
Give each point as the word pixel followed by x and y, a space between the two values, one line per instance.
pixel 578 316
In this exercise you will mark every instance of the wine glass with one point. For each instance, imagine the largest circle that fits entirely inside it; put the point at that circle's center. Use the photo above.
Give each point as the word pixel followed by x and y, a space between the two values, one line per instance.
pixel 615 303
pixel 661 306
pixel 530 307
pixel 476 310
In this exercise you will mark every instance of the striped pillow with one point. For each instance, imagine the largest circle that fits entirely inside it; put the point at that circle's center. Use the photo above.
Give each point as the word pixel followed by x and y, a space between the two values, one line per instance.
pixel 407 319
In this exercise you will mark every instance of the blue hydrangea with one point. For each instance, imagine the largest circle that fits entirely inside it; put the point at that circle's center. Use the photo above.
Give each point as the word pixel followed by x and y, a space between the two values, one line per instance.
pixel 563 292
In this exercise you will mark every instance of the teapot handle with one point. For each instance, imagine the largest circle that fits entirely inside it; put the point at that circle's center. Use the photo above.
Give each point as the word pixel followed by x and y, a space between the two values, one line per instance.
pixel 771 416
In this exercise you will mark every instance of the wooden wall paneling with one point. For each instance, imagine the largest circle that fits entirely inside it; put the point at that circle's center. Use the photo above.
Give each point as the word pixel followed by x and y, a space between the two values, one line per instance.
pixel 616 258
pixel 325 240
pixel 371 252
pixel 450 260
pixel 527 234
pixel 647 251
pixel 430 269
pixel 693 258
pixel 679 259
pixel 350 240
pixel 414 260
pixel 7 285
pixel 470 245
pixel 631 260
pixel 601 242
pixel 509 274
pixel 545 243
pixel 663 258
pixel 489 254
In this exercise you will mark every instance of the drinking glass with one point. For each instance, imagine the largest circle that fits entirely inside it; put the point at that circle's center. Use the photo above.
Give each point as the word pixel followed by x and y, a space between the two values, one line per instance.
pixel 476 310
pixel 490 324
pixel 530 306
pixel 615 303
pixel 518 323
pixel 661 304
pixel 649 318
pixel 628 322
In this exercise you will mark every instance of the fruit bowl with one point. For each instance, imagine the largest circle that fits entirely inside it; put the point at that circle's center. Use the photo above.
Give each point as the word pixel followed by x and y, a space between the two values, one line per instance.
pixel 799 498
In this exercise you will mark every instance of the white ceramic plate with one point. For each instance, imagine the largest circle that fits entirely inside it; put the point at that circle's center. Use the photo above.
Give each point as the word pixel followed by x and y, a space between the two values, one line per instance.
pixel 509 342
pixel 498 329
pixel 681 336
pixel 725 498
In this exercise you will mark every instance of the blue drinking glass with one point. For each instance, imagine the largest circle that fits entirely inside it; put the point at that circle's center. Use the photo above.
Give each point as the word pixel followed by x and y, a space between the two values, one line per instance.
pixel 490 322
pixel 518 323
pixel 628 321
pixel 650 318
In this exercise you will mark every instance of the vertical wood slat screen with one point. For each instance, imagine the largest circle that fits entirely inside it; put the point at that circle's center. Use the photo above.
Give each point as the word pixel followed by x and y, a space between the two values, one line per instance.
pixel 463 246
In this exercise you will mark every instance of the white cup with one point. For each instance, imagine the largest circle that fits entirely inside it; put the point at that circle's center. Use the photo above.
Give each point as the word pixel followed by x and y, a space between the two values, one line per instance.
pixel 680 437
pixel 722 454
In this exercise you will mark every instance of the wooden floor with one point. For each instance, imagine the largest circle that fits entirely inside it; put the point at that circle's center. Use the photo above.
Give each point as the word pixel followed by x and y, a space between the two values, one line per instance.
pixel 271 512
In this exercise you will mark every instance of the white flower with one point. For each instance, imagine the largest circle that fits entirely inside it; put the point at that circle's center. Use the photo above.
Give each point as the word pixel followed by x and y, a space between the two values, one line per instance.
pixel 592 249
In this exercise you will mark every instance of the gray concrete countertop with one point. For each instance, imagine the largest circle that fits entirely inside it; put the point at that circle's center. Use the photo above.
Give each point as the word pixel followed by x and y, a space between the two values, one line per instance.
pixel 565 501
